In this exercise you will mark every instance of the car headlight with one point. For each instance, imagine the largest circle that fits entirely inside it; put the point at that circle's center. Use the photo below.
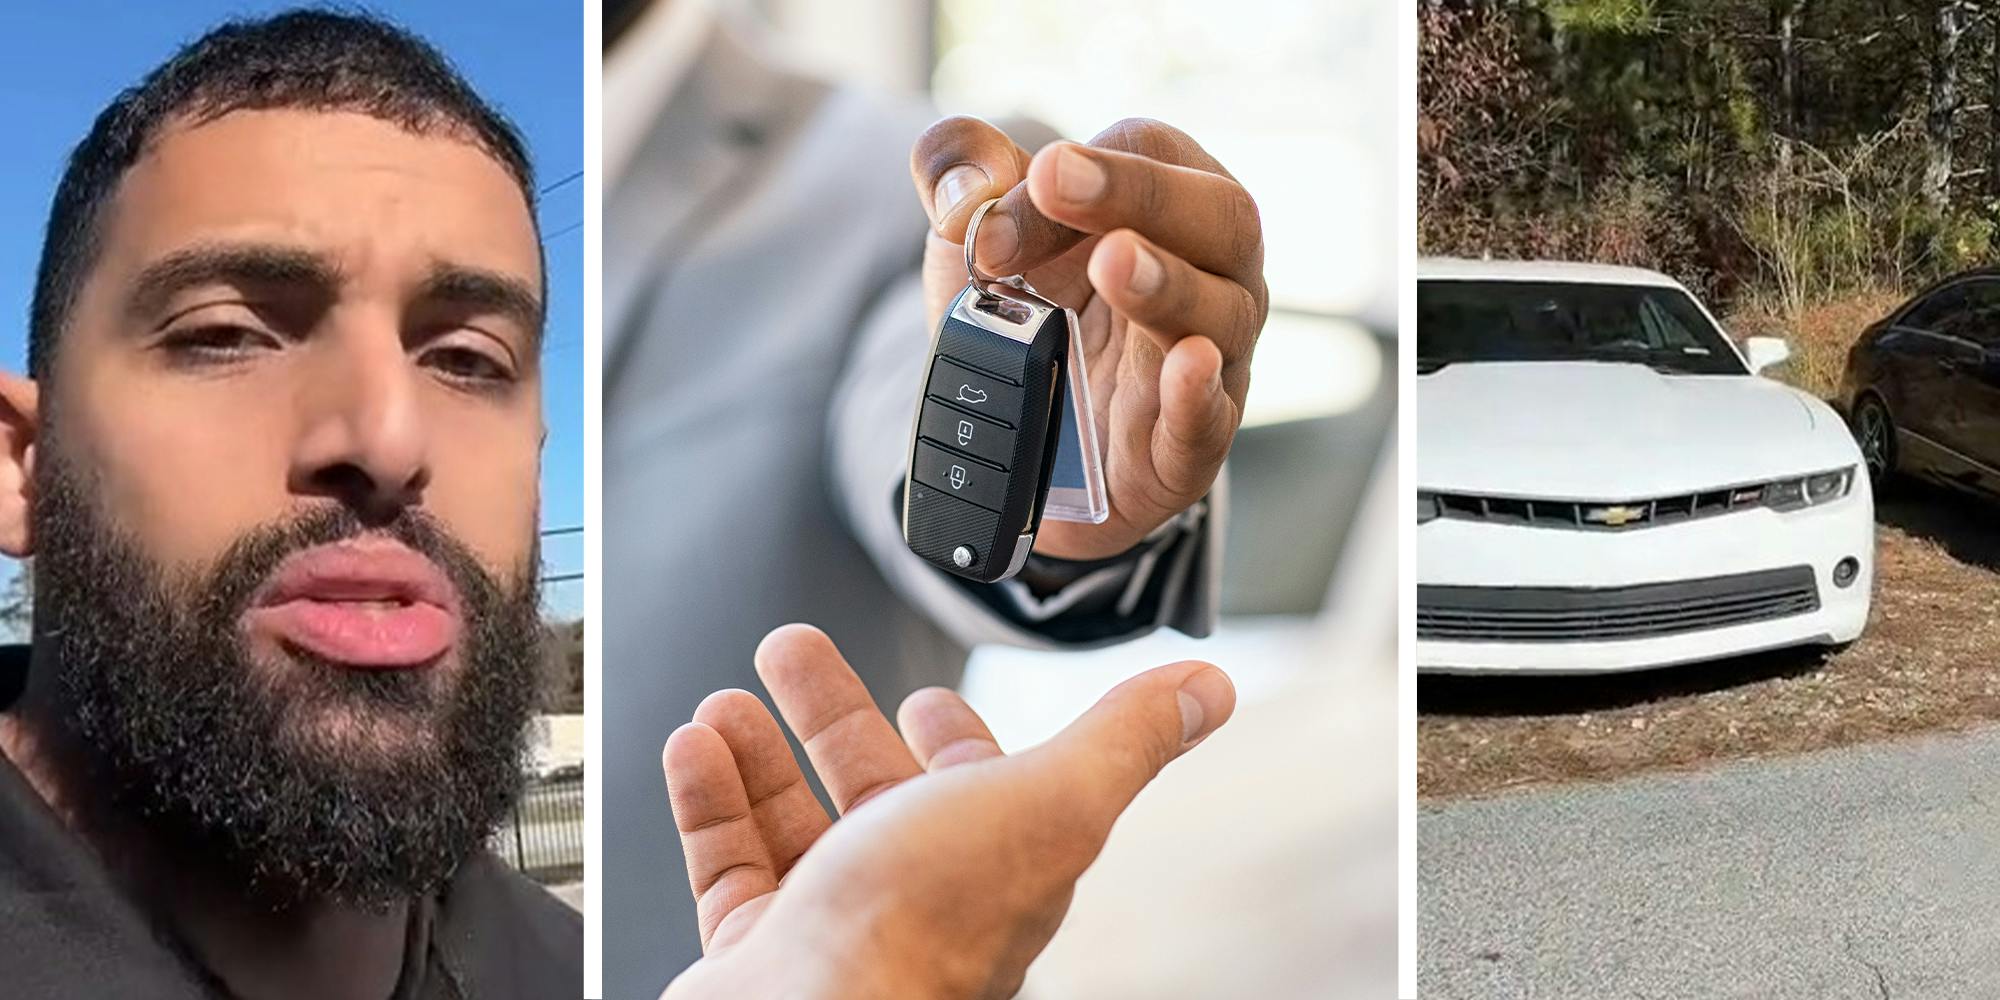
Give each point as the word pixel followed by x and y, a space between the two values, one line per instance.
pixel 1785 494
pixel 1809 491
pixel 1828 485
pixel 1427 508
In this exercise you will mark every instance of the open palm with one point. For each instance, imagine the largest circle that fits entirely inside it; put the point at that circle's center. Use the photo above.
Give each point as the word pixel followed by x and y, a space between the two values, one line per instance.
pixel 951 865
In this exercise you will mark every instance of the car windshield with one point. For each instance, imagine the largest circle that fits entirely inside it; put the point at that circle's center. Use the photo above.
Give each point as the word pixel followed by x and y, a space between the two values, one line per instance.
pixel 1472 321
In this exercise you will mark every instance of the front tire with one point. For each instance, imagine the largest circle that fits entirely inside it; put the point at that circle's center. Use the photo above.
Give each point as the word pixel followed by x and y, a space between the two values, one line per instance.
pixel 1875 433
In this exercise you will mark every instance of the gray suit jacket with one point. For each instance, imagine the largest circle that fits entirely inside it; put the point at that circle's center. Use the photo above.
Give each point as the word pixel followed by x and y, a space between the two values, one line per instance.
pixel 764 335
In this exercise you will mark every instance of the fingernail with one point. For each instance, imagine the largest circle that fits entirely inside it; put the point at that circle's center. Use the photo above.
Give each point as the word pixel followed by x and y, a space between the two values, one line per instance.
pixel 955 186
pixel 1146 272
pixel 1204 698
pixel 1078 178
pixel 998 239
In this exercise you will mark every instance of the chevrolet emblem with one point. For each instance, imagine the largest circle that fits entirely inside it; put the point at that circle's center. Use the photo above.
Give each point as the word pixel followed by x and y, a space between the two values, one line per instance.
pixel 1612 517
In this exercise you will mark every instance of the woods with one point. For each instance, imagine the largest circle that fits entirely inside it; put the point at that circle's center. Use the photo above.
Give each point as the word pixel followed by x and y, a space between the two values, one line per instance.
pixel 1778 156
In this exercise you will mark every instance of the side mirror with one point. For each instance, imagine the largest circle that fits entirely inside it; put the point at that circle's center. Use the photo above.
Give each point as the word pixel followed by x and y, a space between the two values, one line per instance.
pixel 1763 352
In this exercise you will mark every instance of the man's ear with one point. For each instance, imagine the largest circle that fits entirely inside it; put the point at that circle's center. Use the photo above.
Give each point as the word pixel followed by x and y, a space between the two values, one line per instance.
pixel 20 423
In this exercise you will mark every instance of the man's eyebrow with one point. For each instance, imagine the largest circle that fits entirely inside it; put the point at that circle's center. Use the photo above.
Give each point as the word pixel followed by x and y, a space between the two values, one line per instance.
pixel 235 263
pixel 487 291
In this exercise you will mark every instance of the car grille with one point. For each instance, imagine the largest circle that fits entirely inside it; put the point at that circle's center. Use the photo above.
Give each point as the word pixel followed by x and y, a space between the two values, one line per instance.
pixel 1572 614
pixel 1594 515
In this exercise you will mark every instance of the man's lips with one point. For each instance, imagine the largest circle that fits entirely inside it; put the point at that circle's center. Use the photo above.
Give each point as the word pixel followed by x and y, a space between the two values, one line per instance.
pixel 367 603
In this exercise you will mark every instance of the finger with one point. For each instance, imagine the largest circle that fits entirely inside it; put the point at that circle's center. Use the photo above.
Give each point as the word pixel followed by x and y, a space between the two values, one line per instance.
pixel 1157 140
pixel 1114 749
pixel 959 162
pixel 1041 237
pixel 943 731
pixel 726 858
pixel 1206 218
pixel 787 813
pixel 1171 298
pixel 852 747
pixel 1198 418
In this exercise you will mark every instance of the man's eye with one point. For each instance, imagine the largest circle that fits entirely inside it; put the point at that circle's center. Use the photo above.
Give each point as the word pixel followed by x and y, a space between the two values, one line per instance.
pixel 216 343
pixel 467 364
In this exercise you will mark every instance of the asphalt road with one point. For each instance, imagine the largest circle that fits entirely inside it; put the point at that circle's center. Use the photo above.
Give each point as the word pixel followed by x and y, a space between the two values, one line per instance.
pixel 1864 872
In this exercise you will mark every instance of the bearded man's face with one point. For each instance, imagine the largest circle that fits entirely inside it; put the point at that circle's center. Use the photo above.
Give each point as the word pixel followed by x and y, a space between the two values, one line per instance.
pixel 284 500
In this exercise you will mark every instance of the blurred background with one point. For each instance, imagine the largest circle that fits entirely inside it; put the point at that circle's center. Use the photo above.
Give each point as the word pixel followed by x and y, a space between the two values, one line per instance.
pixel 1265 864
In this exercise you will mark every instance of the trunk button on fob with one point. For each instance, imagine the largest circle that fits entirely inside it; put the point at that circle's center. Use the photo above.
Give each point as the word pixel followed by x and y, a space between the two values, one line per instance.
pixel 976 391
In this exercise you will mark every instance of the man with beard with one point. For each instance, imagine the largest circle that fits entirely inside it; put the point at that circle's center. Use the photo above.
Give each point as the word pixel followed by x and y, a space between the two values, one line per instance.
pixel 277 460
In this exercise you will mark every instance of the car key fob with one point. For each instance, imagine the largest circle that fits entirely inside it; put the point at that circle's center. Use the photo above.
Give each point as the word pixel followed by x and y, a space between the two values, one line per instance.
pixel 984 440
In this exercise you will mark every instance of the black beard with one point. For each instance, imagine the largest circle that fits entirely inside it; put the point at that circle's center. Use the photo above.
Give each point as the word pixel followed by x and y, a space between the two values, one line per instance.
pixel 207 750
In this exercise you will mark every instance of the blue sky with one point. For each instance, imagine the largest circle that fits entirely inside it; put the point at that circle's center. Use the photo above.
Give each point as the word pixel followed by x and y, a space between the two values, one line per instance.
pixel 60 63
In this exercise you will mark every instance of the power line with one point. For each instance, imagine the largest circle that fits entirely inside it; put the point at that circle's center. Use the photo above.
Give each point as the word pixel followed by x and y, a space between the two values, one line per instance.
pixel 568 529
pixel 573 227
pixel 567 180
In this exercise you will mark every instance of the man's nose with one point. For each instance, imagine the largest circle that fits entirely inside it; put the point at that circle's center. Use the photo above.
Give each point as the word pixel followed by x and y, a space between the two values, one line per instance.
pixel 363 440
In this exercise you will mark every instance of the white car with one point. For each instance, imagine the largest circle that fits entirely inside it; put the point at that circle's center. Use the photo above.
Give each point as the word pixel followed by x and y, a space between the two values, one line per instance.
pixel 1605 483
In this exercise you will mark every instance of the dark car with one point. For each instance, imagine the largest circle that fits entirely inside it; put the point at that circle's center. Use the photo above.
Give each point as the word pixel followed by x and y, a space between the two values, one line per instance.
pixel 1922 386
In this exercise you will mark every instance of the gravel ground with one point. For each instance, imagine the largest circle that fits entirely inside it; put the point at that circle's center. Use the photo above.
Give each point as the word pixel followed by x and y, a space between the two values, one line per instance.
pixel 1925 663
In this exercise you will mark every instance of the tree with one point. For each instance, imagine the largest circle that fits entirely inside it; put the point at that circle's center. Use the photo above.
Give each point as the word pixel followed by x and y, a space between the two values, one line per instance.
pixel 1993 107
pixel 1770 150
pixel 1788 13
pixel 562 667
pixel 1949 24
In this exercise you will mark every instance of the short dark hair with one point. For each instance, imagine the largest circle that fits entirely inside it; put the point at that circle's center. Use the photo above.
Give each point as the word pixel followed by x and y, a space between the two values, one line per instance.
pixel 314 59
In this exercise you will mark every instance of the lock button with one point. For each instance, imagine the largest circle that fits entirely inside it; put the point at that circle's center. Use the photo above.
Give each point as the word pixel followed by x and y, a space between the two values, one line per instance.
pixel 961 477
pixel 962 432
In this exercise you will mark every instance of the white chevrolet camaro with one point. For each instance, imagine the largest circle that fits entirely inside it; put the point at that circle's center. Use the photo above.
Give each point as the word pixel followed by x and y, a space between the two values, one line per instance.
pixel 1605 483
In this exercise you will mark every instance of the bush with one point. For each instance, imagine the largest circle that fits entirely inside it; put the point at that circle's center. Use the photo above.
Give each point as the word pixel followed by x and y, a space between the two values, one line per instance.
pixel 1820 334
pixel 1938 246
pixel 1631 221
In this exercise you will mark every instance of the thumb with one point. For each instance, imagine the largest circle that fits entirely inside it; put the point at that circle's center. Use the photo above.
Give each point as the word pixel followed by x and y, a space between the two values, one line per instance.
pixel 959 162
pixel 1111 752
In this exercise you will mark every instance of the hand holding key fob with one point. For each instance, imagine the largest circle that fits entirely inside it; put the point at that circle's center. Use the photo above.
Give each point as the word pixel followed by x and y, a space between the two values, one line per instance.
pixel 984 441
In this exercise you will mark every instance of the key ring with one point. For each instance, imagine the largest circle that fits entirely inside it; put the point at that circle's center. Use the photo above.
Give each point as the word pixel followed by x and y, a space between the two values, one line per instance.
pixel 971 239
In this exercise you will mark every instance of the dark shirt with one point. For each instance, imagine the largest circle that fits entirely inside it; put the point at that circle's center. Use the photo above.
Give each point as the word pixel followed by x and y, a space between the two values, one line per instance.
pixel 66 930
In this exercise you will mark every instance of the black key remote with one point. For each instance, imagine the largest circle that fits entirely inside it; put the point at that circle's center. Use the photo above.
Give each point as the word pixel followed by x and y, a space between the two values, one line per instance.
pixel 985 436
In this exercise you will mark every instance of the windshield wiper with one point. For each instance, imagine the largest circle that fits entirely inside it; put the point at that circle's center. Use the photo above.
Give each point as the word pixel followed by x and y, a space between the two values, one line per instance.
pixel 1426 366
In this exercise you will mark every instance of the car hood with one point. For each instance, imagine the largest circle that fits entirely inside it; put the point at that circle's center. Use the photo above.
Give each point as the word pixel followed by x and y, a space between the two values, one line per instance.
pixel 1606 431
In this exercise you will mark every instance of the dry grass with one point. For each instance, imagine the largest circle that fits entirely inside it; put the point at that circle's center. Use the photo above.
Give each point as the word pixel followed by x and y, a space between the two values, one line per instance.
pixel 1926 662
pixel 1819 336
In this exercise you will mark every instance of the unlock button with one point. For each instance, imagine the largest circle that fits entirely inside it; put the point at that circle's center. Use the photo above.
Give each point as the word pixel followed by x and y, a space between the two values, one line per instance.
pixel 961 477
pixel 963 432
